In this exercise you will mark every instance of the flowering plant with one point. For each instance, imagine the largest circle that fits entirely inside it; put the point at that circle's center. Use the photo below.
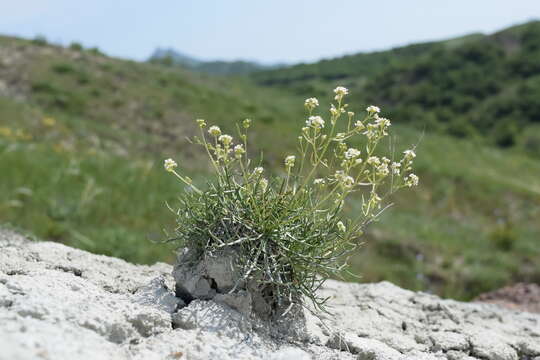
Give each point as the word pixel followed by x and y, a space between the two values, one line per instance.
pixel 290 231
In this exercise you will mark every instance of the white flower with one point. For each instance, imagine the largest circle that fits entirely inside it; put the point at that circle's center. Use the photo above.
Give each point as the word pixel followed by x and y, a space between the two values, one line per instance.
pixel 395 168
pixel 239 151
pixel 340 92
pixel 339 137
pixel 201 123
pixel 169 165
pixel 341 227
pixel 319 181
pixel 374 160
pixel 221 153
pixel 225 139
pixel 289 161
pixel 383 123
pixel 350 114
pixel 411 180
pixel 316 122
pixel 214 131
pixel 383 169
pixel 258 170
pixel 359 125
pixel 311 103
pixel 372 109
pixel 352 153
pixel 371 131
pixel 347 181
pixel 409 154
pixel 358 161
pixel 333 110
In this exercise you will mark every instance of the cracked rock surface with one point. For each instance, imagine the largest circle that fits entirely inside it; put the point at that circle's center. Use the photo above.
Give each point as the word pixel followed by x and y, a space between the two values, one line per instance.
pixel 57 302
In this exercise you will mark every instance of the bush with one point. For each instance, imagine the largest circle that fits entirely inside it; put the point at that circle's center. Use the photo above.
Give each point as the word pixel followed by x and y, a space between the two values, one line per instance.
pixel 504 237
pixel 63 68
pixel 40 40
pixel 95 51
pixel 289 231
pixel 76 46
pixel 55 96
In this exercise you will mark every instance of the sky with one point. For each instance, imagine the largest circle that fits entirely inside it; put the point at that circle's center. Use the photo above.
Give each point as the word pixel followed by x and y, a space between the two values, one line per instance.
pixel 268 31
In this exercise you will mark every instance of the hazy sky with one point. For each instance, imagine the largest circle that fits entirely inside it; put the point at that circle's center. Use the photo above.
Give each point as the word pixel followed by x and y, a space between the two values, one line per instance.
pixel 263 30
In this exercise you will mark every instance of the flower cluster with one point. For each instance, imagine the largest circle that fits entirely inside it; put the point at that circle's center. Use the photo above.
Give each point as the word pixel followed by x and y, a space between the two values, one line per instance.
pixel 289 161
pixel 201 123
pixel 372 109
pixel 352 153
pixel 356 172
pixel 340 92
pixel 311 103
pixel 315 122
pixel 239 151
pixel 215 131
pixel 170 164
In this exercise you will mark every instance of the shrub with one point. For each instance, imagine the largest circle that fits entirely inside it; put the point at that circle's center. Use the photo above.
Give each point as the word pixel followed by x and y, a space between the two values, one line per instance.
pixel 504 237
pixel 40 40
pixel 289 231
pixel 95 51
pixel 63 68
pixel 76 46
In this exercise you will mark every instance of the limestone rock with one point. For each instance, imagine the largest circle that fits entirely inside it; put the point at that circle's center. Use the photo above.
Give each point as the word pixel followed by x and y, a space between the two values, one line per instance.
pixel 216 277
pixel 58 302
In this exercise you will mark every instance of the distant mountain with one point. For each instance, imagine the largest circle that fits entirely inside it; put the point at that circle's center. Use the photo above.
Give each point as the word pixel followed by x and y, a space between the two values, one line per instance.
pixel 172 57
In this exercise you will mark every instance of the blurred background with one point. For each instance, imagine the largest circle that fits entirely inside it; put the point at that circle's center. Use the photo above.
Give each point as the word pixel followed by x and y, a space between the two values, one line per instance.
pixel 94 95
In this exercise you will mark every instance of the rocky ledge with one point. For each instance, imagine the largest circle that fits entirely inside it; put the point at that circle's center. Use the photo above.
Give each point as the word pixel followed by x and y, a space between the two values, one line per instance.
pixel 57 302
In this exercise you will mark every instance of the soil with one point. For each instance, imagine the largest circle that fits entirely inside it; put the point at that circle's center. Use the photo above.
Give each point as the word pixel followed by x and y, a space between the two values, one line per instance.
pixel 520 296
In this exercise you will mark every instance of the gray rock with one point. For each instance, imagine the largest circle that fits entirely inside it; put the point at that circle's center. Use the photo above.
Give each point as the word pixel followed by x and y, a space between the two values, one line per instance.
pixel 158 294
pixel 62 303
pixel 367 349
pixel 216 277
pixel 448 340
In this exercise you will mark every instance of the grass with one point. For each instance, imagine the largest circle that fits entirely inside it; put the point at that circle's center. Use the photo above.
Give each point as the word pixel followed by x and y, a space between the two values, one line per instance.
pixel 82 201
pixel 94 178
pixel 469 227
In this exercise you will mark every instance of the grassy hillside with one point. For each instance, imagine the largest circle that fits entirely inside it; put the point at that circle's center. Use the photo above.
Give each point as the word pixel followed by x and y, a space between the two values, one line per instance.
pixel 83 136
pixel 482 87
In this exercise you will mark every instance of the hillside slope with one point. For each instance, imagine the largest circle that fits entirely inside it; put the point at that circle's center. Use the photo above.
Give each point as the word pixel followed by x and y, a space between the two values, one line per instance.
pixel 83 137
pixel 483 87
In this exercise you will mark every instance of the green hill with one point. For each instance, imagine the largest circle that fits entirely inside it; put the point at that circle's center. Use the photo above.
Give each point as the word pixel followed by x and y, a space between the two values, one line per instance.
pixel 482 87
pixel 83 137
